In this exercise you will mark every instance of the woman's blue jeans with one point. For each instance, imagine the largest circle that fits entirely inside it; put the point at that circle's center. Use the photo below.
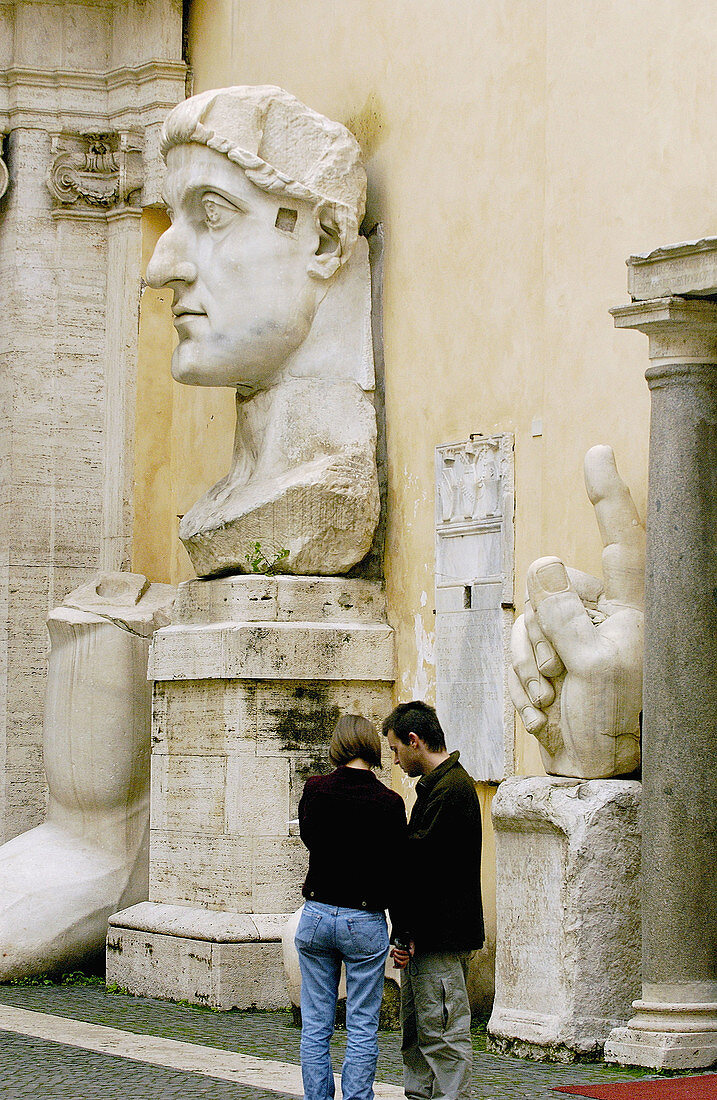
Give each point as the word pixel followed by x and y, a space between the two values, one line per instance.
pixel 327 936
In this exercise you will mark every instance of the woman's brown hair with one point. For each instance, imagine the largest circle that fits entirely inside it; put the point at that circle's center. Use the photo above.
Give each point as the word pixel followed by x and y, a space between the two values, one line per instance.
pixel 355 736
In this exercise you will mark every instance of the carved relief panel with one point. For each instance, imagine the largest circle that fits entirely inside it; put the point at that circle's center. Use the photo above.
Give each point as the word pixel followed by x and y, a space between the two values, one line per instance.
pixel 474 599
pixel 95 171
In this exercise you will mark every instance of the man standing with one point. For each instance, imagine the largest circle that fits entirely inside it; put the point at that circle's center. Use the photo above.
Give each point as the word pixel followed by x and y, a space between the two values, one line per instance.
pixel 443 913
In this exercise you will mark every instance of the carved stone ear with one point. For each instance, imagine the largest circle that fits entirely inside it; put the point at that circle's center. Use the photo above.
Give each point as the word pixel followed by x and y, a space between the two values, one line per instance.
pixel 329 254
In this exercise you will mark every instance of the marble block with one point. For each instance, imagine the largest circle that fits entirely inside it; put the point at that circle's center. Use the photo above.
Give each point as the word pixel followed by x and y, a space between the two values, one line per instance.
pixel 250 679
pixel 568 911
pixel 677 269
pixel 183 954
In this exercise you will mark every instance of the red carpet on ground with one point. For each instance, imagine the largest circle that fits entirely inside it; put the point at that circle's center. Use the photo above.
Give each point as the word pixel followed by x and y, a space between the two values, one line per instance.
pixel 702 1087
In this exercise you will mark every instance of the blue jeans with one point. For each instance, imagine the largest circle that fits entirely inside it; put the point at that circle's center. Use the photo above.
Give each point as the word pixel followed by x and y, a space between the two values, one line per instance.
pixel 327 936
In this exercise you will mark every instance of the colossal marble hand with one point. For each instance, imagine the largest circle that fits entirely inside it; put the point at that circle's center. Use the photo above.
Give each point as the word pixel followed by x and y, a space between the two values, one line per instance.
pixel 576 679
pixel 61 881
pixel 272 297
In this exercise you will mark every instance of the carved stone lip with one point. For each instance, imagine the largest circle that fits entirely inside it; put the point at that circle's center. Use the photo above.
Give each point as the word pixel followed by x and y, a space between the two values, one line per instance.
pixel 184 311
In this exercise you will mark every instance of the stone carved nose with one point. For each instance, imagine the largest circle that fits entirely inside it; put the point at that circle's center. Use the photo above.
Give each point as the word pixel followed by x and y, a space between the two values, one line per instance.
pixel 169 262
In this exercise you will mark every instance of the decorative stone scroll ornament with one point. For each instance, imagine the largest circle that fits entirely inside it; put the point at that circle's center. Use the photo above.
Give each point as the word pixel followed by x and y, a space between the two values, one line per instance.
pixel 272 297
pixel 97 171
pixel 576 679
pixel 4 175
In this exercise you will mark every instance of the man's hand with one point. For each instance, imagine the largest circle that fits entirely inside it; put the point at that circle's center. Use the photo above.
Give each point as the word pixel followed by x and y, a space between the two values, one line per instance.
pixel 402 955
pixel 576 676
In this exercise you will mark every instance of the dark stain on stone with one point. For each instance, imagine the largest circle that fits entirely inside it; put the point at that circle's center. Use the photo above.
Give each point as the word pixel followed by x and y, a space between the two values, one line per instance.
pixel 306 725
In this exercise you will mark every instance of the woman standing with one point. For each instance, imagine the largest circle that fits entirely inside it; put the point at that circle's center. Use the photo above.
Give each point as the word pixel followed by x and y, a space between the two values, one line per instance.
pixel 355 830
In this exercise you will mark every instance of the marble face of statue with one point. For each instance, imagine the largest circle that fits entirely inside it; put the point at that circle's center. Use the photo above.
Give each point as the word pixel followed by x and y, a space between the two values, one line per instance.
pixel 248 270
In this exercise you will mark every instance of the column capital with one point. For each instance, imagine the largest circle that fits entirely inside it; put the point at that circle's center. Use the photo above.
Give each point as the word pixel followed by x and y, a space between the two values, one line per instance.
pixel 680 330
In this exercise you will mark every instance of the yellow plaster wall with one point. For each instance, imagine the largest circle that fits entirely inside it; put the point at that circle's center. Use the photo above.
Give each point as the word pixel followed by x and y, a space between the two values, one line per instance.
pixel 517 153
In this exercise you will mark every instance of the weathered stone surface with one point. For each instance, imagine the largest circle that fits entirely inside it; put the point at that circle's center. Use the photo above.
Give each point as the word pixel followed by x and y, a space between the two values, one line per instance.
pixel 576 676
pixel 69 291
pixel 568 934
pixel 284 317
pixel 686 268
pixel 675 1021
pixel 266 651
pixel 284 599
pixel 231 754
pixel 182 968
pixel 60 881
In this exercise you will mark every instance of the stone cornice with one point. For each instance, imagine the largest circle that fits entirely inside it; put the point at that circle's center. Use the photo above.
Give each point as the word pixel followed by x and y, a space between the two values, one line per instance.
pixel 31 97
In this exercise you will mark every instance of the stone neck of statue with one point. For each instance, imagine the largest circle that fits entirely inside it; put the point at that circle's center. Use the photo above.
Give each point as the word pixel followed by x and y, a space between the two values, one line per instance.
pixel 303 481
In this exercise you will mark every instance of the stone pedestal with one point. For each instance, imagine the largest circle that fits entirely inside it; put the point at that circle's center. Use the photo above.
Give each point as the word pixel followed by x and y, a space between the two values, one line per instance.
pixel 675 1022
pixel 249 682
pixel 568 908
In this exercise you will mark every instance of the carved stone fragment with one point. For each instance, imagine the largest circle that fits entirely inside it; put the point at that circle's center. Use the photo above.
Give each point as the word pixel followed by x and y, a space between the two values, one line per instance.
pixel 95 170
pixel 272 297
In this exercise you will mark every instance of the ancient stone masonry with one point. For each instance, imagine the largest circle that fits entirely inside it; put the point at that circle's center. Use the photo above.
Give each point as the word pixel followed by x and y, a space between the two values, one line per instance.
pixel 249 682
pixel 96 171
pixel 568 901
pixel 83 90
pixel 474 599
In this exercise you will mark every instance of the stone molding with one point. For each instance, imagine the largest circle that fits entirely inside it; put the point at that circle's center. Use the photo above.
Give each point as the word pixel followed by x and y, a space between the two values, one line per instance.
pixel 201 924
pixel 271 650
pixel 97 171
pixel 128 103
pixel 678 329
pixel 28 97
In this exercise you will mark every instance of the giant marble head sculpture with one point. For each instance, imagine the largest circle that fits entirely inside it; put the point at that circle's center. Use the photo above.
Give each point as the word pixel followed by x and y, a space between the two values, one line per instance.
pixel 271 297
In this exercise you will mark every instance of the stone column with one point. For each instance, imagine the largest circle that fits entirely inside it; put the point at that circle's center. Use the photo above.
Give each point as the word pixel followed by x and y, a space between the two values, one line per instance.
pixel 675 1022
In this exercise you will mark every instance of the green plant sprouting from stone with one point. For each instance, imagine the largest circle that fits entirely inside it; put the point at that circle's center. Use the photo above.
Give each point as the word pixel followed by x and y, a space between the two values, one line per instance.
pixel 258 562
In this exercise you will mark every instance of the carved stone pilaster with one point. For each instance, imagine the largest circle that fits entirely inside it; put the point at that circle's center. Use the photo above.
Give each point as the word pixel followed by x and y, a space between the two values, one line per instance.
pixel 95 171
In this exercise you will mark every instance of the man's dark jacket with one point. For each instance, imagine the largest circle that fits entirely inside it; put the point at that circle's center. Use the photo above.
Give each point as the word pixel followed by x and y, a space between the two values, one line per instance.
pixel 444 912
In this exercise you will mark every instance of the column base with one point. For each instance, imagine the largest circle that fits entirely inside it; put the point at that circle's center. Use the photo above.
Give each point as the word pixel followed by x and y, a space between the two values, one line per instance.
pixel 178 953
pixel 666 1036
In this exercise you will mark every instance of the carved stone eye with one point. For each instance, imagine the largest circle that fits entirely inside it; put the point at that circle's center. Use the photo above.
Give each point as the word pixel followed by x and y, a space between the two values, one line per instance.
pixel 217 211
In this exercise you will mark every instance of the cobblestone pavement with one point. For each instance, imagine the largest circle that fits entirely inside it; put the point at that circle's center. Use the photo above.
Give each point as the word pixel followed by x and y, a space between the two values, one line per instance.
pixel 46 1070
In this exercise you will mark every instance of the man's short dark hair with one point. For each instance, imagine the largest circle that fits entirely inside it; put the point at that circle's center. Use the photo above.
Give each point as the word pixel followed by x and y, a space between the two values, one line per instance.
pixel 419 718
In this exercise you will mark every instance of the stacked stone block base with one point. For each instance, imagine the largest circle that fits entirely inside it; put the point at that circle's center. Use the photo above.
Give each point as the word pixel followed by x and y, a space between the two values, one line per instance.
pixel 249 682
